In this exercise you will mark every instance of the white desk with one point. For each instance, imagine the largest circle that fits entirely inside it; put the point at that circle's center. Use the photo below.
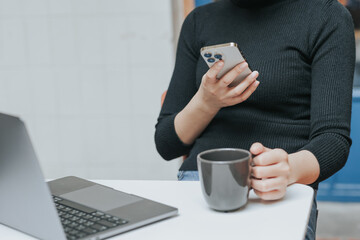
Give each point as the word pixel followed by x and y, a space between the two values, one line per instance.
pixel 279 220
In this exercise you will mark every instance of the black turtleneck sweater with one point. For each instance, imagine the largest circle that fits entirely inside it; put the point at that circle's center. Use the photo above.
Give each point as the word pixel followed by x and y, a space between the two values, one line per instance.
pixel 304 51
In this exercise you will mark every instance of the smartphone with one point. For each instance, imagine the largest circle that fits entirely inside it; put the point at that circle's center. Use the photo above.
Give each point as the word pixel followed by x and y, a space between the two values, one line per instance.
pixel 230 54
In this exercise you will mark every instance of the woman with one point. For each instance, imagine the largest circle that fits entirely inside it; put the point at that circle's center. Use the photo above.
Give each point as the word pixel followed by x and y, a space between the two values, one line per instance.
pixel 293 112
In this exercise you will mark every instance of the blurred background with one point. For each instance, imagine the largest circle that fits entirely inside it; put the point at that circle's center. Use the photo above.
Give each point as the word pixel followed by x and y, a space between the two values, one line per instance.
pixel 86 76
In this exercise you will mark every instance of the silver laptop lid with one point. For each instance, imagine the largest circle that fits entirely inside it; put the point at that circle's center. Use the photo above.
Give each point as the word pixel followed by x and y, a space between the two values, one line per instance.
pixel 25 200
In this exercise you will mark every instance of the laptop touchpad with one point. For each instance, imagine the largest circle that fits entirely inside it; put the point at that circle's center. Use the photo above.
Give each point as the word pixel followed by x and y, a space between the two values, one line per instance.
pixel 101 198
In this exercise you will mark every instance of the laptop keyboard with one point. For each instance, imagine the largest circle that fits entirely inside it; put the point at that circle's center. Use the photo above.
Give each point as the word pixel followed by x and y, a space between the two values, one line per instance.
pixel 79 221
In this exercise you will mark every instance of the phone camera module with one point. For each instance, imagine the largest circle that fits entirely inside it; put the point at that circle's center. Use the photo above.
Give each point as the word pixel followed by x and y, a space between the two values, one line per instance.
pixel 218 56
pixel 211 60
pixel 207 55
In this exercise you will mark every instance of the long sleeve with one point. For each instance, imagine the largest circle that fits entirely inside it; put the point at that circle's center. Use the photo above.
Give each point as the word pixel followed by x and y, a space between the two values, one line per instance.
pixel 305 53
pixel 181 89
pixel 332 48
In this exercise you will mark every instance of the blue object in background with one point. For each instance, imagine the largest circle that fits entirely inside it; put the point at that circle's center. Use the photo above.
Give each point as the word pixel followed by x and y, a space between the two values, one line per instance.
pixel 344 186
pixel 201 2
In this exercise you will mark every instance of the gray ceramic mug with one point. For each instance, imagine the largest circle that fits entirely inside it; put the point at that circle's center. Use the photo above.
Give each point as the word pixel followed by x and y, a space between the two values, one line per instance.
pixel 225 177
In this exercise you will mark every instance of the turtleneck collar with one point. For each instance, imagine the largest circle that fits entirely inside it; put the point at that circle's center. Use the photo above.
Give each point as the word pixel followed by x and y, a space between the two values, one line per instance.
pixel 254 3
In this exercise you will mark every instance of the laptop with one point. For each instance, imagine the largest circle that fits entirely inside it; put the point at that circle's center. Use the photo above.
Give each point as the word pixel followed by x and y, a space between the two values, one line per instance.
pixel 66 208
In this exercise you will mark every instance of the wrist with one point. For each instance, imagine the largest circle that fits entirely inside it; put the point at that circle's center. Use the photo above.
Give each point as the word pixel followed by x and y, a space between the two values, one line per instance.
pixel 205 106
pixel 304 167
pixel 293 176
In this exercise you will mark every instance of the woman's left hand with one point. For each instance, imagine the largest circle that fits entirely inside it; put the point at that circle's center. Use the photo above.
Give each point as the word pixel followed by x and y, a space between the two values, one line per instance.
pixel 270 172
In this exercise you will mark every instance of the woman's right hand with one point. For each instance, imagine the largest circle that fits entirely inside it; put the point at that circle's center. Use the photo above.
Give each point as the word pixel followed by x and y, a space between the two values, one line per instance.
pixel 215 94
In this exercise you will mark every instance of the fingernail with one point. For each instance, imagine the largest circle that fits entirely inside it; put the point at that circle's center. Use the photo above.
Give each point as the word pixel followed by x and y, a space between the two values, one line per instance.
pixel 221 63
pixel 243 65
pixel 257 83
pixel 254 73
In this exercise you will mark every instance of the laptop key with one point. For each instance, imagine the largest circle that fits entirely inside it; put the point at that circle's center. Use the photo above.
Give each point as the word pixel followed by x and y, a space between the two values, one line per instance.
pixel 73 232
pixel 88 223
pixel 66 222
pixel 113 219
pixel 99 227
pixel 66 209
pixel 74 218
pixel 73 211
pixel 123 222
pixel 95 219
pixel 80 214
pixel 107 224
pixel 98 214
pixel 73 224
pixel 80 235
pixel 87 217
pixel 90 230
pixel 80 227
pixel 56 199
pixel 81 221
pixel 69 237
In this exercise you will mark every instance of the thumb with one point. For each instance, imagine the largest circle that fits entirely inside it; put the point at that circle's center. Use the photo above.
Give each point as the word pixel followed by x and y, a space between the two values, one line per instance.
pixel 257 148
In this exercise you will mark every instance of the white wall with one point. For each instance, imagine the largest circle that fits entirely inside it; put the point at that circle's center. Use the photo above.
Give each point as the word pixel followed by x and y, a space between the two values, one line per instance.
pixel 86 76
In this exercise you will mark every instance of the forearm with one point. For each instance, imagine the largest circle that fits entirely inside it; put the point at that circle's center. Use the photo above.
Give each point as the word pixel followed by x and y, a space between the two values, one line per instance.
pixel 304 167
pixel 193 119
